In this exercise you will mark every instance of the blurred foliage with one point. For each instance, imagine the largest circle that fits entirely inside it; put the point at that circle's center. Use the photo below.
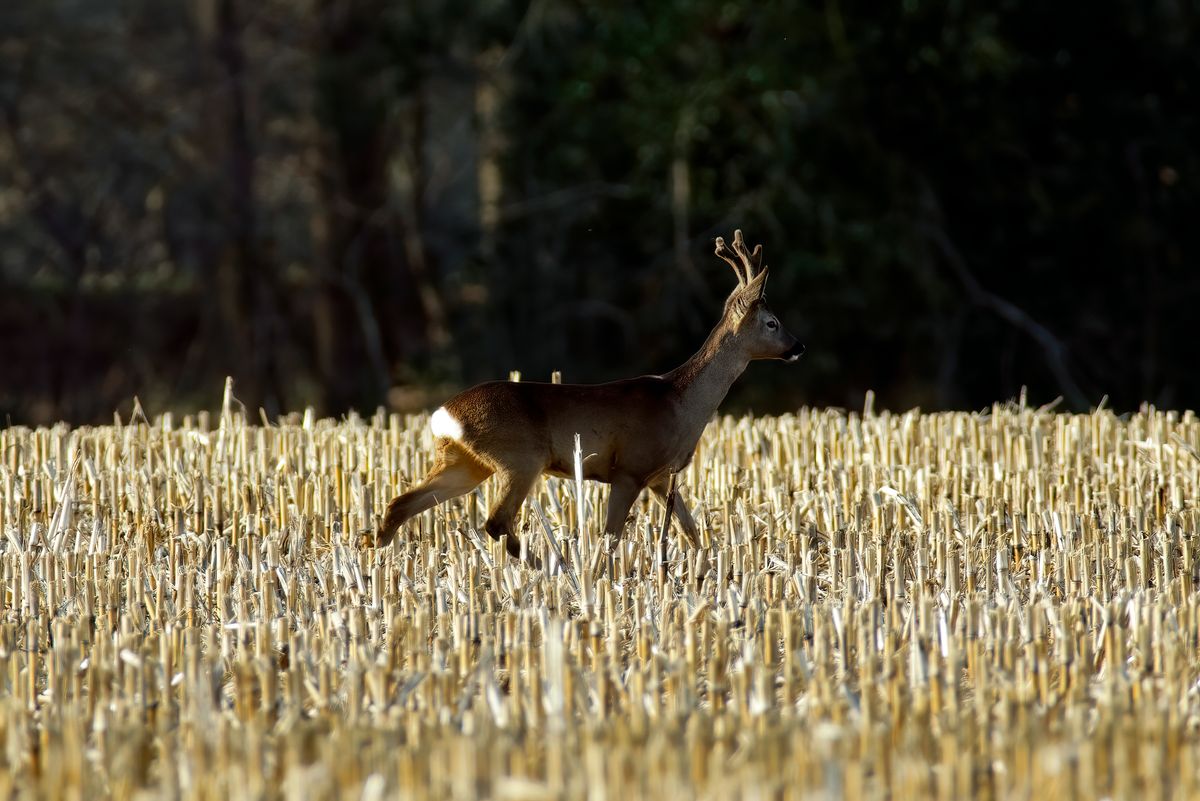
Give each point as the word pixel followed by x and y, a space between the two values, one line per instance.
pixel 348 203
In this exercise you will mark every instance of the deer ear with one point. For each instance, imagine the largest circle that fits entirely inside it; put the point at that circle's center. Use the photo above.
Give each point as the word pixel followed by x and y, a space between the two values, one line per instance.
pixel 757 287
pixel 746 295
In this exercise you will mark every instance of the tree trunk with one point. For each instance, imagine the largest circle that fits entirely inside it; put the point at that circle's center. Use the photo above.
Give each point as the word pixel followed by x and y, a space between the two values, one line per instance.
pixel 489 179
pixel 368 307
pixel 244 277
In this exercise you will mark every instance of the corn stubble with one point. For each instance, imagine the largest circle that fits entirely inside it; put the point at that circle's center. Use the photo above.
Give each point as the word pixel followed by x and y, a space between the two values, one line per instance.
pixel 998 605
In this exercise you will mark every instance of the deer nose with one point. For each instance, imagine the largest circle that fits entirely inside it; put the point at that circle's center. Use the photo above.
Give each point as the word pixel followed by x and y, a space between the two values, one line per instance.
pixel 794 352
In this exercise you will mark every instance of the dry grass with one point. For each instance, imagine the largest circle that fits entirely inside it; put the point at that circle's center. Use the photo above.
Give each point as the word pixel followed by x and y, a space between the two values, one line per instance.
pixel 998 605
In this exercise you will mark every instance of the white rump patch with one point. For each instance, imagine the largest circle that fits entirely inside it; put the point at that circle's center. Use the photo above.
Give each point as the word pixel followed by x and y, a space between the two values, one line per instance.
pixel 443 424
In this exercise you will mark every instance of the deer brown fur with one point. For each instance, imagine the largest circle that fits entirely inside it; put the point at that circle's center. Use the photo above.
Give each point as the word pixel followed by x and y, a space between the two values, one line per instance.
pixel 634 433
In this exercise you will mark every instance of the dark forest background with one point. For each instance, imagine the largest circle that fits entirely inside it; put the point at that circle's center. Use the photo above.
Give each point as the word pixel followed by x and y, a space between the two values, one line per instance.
pixel 349 203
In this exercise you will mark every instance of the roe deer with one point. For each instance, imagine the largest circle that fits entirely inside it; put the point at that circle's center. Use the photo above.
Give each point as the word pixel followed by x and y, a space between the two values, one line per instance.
pixel 635 433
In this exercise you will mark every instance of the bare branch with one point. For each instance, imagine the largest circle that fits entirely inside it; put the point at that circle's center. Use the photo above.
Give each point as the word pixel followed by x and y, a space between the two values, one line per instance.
pixel 1054 350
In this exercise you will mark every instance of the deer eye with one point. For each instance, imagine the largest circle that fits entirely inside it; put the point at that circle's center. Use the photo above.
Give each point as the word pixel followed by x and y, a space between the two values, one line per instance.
pixel 772 324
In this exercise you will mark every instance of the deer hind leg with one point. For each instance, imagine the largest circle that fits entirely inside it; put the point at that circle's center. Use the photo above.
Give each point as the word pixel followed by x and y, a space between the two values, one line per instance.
pixel 456 472
pixel 679 510
pixel 515 484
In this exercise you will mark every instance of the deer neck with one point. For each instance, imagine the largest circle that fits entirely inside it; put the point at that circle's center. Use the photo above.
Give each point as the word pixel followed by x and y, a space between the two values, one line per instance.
pixel 704 380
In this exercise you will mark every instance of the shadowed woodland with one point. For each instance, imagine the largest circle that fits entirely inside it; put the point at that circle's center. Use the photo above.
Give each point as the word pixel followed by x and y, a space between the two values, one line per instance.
pixel 352 203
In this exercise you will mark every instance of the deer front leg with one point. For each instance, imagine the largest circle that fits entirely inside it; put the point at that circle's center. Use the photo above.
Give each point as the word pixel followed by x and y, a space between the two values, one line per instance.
pixel 660 487
pixel 625 490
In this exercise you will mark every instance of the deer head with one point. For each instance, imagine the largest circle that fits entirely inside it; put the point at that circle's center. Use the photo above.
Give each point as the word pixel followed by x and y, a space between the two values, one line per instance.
pixel 754 326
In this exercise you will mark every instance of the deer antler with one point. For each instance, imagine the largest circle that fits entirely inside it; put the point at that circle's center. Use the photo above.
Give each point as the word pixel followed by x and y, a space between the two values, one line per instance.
pixel 752 259
pixel 728 255
pixel 745 263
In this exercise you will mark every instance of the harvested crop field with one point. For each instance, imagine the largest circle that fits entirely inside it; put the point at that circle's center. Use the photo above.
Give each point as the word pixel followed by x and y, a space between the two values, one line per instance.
pixel 999 605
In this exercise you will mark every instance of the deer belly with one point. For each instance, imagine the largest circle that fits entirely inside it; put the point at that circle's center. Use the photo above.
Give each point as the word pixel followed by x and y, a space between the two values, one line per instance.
pixel 597 454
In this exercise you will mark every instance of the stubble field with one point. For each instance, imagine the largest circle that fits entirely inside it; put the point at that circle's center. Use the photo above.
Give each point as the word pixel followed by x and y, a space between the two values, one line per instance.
pixel 997 605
